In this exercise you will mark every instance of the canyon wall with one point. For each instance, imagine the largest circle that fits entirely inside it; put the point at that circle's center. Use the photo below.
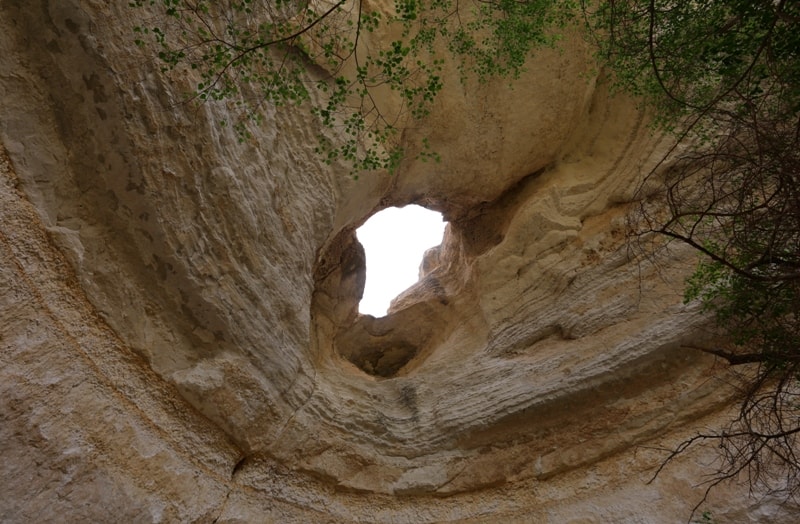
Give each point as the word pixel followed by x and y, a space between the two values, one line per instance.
pixel 179 337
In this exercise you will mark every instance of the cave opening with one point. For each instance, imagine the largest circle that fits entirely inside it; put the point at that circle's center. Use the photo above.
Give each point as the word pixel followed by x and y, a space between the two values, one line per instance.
pixel 395 240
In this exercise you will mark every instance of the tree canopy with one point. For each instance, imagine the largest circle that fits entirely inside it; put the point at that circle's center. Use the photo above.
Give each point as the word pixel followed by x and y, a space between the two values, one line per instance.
pixel 256 54
pixel 724 77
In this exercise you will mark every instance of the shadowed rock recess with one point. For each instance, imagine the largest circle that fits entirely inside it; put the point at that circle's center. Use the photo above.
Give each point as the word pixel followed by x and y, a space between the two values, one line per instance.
pixel 179 336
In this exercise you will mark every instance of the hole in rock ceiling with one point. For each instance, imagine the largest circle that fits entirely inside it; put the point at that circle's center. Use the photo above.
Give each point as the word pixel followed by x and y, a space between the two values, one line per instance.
pixel 394 241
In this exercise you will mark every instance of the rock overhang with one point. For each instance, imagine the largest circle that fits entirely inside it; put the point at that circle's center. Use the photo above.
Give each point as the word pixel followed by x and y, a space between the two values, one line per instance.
pixel 536 347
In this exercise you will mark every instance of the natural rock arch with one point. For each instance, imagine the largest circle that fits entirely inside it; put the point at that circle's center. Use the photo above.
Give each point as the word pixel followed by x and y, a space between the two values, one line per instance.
pixel 178 317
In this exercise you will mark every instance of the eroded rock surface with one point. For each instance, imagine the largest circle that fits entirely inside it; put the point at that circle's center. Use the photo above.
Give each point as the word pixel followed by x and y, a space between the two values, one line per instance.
pixel 178 310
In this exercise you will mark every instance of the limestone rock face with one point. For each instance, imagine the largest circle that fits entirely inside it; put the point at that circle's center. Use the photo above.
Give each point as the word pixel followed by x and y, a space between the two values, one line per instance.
pixel 178 310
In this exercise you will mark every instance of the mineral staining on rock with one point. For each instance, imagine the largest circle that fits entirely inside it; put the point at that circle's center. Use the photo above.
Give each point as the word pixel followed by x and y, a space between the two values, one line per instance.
pixel 179 328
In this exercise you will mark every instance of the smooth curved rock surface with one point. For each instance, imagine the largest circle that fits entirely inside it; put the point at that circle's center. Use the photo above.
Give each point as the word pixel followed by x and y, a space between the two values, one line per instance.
pixel 178 311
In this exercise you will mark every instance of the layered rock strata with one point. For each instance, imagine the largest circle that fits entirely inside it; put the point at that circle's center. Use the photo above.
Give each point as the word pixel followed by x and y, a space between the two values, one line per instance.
pixel 178 310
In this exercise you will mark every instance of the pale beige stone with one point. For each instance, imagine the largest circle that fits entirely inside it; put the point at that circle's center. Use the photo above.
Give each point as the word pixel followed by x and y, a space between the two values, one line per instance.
pixel 179 338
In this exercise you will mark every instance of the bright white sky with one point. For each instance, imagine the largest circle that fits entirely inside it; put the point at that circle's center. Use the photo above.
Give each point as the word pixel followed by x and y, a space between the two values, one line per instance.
pixel 395 240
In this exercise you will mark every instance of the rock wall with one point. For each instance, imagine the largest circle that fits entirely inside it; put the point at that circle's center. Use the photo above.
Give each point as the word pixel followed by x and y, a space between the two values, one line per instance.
pixel 179 337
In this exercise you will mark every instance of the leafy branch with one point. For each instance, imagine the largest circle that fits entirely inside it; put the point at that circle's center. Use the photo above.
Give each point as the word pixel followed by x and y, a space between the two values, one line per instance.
pixel 253 55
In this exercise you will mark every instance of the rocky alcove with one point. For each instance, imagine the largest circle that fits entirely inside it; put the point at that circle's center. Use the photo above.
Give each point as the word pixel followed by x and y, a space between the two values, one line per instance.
pixel 417 321
pixel 179 329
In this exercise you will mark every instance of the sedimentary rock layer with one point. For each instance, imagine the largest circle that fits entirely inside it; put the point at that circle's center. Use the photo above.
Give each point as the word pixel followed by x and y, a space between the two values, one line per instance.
pixel 178 310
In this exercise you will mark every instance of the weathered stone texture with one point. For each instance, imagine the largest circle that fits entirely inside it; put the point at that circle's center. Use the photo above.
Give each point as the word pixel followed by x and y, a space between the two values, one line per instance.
pixel 178 330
